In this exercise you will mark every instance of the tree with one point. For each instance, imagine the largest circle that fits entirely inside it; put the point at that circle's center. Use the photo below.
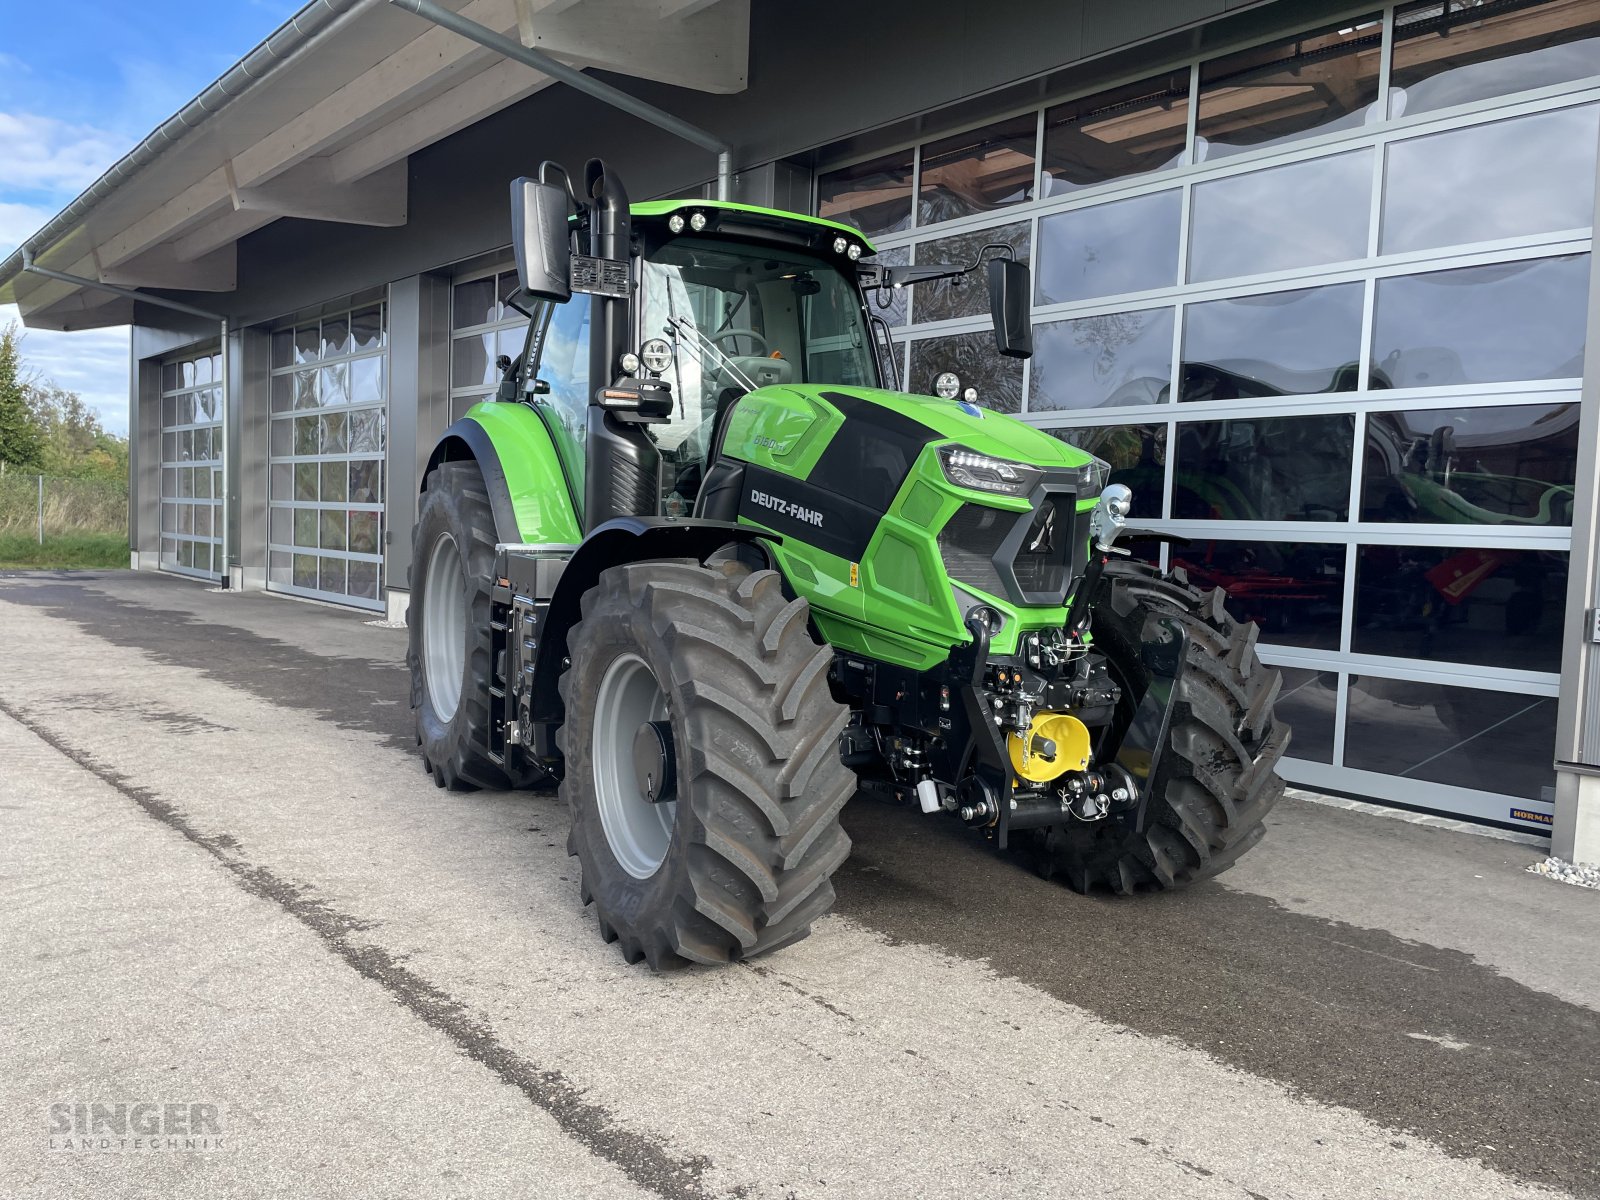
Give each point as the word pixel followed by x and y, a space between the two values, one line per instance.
pixel 74 441
pixel 21 440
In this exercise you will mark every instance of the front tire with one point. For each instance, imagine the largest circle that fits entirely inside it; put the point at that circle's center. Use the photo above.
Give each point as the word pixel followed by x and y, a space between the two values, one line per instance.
pixel 742 863
pixel 1217 775
pixel 450 654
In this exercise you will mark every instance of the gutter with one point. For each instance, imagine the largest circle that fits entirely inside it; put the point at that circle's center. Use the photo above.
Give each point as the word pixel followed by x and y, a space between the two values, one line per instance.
pixel 310 22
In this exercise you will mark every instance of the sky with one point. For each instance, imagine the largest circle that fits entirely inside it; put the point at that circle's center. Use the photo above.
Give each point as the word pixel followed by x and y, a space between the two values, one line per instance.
pixel 81 83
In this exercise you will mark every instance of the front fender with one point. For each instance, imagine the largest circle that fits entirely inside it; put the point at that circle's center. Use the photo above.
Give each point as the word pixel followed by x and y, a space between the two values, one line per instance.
pixel 529 493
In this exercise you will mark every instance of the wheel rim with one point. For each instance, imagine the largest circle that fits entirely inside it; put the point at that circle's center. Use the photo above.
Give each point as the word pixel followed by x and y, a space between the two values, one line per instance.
pixel 637 831
pixel 444 626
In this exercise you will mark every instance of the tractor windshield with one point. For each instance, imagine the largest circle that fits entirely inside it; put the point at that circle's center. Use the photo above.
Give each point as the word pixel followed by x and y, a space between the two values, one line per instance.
pixel 768 316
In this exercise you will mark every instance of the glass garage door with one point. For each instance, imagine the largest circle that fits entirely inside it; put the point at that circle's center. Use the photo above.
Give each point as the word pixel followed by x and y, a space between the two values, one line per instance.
pixel 191 466
pixel 329 417
pixel 1332 334
pixel 483 326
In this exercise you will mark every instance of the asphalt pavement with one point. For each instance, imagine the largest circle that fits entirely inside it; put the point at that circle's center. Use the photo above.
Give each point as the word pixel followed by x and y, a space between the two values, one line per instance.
pixel 251 950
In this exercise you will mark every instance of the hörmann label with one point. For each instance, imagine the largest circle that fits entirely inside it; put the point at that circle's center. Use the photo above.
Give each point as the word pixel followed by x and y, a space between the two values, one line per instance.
pixel 788 508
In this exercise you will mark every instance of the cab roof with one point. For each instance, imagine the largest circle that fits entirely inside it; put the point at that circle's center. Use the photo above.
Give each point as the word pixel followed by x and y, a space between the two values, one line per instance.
pixel 749 218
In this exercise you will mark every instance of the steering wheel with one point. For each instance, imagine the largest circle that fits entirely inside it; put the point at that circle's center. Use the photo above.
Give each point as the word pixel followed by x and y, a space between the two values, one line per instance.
pixel 762 345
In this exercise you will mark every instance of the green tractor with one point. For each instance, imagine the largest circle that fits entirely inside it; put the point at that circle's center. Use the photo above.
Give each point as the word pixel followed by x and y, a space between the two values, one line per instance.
pixel 696 564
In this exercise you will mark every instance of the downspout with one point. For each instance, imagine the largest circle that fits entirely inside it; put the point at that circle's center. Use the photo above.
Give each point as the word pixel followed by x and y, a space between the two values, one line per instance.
pixel 587 84
pixel 29 267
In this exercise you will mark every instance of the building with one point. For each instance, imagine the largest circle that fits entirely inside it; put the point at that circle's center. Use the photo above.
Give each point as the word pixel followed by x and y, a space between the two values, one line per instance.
pixel 1314 277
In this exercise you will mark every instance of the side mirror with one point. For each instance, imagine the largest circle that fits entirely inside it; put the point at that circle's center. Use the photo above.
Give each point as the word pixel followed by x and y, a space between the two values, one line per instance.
pixel 541 239
pixel 1010 295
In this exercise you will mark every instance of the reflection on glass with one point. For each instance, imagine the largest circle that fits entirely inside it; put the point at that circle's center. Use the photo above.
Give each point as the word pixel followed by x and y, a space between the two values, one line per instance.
pixel 1127 131
pixel 1110 249
pixel 364 580
pixel 890 303
pixel 1449 52
pixel 1264 469
pixel 1495 608
pixel 1510 465
pixel 366 380
pixel 1098 362
pixel 977 171
pixel 873 196
pixel 474 303
pixel 1488 741
pixel 472 360
pixel 972 357
pixel 1312 83
pixel 1518 320
pixel 1279 344
pixel 1138 458
pixel 968 296
pixel 1505 179
pixel 366 329
pixel 1298 215
pixel 1293 591
pixel 335 337
pixel 1306 705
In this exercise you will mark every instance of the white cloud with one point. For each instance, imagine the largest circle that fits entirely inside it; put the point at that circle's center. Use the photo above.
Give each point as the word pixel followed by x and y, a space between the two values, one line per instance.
pixel 18 221
pixel 91 362
pixel 44 154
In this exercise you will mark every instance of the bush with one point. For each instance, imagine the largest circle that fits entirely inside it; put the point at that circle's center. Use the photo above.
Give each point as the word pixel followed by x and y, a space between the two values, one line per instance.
pixel 71 506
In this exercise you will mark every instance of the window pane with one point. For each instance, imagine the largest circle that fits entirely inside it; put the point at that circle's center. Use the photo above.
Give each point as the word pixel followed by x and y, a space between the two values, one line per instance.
pixel 1294 591
pixel 1508 178
pixel 366 432
pixel 969 296
pixel 305 570
pixel 335 337
pixel 366 380
pixel 475 303
pixel 977 171
pixel 873 196
pixel 333 482
pixel 332 522
pixel 972 357
pixel 472 361
pixel 1442 60
pixel 1430 733
pixel 305 435
pixel 334 384
pixel 364 482
pixel 364 532
pixel 1269 469
pixel 1138 458
pixel 1280 344
pixel 305 527
pixel 1095 362
pixel 1306 705
pixel 1496 608
pixel 1110 249
pixel 305 481
pixel 1128 131
pixel 169 376
pixel 307 343
pixel 364 579
pixel 1281 218
pixel 1475 466
pixel 1312 83
pixel 1519 320
pixel 366 329
pixel 305 389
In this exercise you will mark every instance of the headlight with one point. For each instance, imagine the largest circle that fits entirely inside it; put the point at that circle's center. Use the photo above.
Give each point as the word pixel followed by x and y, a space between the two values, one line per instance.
pixel 840 245
pixel 854 253
pixel 1093 477
pixel 947 385
pixel 968 469
pixel 656 355
pixel 630 363
pixel 697 221
pixel 675 223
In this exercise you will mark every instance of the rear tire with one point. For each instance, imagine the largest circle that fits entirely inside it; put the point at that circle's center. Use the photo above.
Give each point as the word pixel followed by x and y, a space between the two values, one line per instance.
pixel 1217 778
pixel 450 652
pixel 743 865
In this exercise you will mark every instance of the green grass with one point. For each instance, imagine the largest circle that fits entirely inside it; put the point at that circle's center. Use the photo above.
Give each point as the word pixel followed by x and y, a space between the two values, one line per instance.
pixel 70 551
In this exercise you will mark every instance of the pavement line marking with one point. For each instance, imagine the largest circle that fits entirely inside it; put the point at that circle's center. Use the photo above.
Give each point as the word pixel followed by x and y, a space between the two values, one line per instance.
pixel 643 1160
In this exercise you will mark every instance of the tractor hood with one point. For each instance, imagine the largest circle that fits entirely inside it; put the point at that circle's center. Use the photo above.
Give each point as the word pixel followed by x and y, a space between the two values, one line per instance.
pixel 980 429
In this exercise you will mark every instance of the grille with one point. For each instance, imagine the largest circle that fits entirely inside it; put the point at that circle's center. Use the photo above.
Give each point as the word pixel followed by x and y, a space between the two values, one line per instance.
pixel 968 543
pixel 1041 562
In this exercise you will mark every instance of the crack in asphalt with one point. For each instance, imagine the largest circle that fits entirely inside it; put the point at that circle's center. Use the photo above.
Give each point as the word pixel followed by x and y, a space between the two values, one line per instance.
pixel 642 1159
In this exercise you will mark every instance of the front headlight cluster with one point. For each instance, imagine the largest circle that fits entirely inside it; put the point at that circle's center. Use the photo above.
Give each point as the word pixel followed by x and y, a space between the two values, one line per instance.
pixel 969 469
pixel 1093 477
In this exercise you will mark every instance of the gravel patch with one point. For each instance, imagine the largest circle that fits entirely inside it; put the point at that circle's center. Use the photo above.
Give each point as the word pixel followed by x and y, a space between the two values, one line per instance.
pixel 1583 874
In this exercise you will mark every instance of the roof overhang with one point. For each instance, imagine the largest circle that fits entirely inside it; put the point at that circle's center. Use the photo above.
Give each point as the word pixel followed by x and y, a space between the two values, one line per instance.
pixel 319 121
